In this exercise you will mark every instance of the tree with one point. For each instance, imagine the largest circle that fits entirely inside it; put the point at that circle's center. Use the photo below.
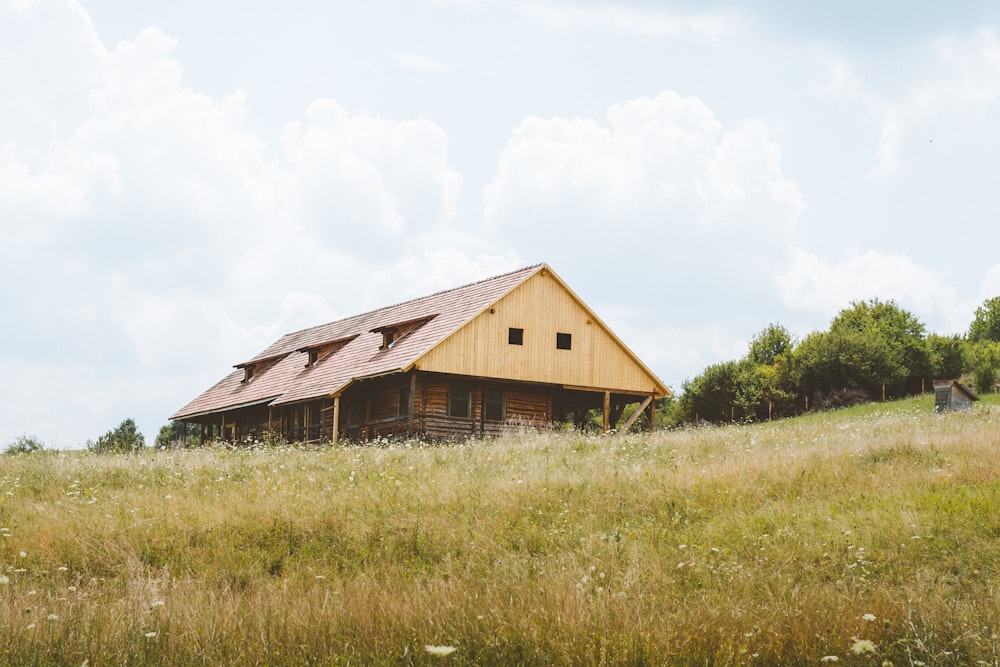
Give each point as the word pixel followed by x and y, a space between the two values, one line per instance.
pixel 176 434
pixel 947 356
pixel 985 360
pixel 894 339
pixel 24 444
pixel 710 396
pixel 769 345
pixel 986 322
pixel 122 439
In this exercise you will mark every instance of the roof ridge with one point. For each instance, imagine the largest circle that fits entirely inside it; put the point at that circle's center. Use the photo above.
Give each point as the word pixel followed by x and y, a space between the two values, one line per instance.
pixel 414 299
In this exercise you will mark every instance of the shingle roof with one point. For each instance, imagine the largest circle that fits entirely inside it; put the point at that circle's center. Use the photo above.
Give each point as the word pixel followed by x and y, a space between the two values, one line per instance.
pixel 280 373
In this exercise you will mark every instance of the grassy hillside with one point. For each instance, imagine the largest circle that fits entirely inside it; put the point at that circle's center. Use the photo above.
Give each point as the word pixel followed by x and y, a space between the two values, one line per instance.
pixel 828 535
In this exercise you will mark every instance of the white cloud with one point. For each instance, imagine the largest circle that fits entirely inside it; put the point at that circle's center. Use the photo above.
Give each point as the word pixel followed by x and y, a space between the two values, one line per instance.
pixel 646 21
pixel 957 85
pixel 667 153
pixel 165 240
pixel 826 286
pixel 418 62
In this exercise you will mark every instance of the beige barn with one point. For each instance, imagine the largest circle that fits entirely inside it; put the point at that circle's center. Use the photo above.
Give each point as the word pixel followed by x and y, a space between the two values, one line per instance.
pixel 516 350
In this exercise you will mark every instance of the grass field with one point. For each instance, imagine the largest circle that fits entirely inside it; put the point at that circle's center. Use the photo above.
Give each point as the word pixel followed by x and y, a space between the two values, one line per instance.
pixel 866 535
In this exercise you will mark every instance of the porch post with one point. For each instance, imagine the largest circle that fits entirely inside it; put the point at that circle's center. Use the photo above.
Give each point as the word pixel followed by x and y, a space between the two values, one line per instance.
pixel 413 393
pixel 607 410
pixel 336 419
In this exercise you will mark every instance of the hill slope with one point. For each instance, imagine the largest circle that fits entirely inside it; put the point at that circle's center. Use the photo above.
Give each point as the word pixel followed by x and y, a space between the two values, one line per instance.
pixel 825 535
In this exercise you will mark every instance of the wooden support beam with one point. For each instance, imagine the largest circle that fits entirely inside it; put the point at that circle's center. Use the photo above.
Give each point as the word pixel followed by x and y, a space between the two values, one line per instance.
pixel 652 415
pixel 413 393
pixel 607 411
pixel 336 419
pixel 635 415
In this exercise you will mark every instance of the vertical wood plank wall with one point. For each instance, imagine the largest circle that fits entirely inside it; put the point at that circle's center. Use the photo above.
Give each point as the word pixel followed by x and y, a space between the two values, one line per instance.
pixel 541 307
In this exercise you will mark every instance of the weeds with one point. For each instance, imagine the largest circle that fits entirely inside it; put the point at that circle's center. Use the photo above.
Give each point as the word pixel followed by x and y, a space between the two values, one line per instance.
pixel 861 536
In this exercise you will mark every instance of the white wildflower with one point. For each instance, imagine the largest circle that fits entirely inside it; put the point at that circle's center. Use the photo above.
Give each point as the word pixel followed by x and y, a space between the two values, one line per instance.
pixel 440 651
pixel 150 635
pixel 4 579
pixel 869 617
pixel 863 646
pixel 829 658
pixel 52 617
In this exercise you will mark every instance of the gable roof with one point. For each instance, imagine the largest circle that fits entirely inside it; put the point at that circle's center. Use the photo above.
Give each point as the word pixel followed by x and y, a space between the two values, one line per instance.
pixel 352 348
pixel 281 376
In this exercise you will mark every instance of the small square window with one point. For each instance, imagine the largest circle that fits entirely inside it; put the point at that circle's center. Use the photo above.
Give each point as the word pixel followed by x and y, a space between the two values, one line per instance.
pixel 515 336
pixel 564 341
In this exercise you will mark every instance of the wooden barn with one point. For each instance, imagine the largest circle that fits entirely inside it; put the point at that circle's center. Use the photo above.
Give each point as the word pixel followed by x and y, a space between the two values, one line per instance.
pixel 517 350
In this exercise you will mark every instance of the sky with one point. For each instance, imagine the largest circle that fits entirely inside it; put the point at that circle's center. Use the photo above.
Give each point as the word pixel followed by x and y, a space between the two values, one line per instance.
pixel 182 183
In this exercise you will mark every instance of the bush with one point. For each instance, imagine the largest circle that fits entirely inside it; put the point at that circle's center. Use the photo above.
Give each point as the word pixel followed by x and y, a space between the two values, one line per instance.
pixel 24 444
pixel 123 439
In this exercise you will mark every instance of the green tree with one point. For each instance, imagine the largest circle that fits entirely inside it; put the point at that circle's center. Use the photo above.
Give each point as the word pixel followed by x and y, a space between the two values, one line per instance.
pixel 710 396
pixel 122 439
pixel 947 356
pixel 986 322
pixel 985 361
pixel 769 345
pixel 894 339
pixel 176 434
pixel 24 444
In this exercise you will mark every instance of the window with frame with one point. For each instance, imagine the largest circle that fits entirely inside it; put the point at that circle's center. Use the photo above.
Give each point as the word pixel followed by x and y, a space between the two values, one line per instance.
pixel 515 336
pixel 459 401
pixel 403 405
pixel 248 372
pixel 564 341
pixel 494 405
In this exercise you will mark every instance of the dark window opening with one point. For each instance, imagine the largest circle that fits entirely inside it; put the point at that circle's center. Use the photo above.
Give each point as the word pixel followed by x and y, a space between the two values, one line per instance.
pixel 515 336
pixel 248 373
pixel 459 401
pixel 403 406
pixel 494 408
pixel 564 341
pixel 388 336
pixel 313 358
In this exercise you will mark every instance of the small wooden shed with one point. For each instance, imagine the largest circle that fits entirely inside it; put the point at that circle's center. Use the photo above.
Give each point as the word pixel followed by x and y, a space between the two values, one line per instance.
pixel 952 396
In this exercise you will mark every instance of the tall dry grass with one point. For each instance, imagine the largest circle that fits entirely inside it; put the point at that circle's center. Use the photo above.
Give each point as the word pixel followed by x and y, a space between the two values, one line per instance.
pixel 772 544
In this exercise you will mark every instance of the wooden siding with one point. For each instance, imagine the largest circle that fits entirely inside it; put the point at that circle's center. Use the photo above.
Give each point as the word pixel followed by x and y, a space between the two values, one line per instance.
pixel 542 306
pixel 524 408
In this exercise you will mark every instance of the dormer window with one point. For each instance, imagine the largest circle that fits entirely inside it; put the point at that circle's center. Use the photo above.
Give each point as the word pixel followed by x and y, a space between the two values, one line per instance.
pixel 318 352
pixel 393 333
pixel 248 372
pixel 388 336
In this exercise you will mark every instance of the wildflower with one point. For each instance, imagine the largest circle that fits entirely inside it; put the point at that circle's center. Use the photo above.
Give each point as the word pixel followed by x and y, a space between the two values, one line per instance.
pixel 156 603
pixel 4 579
pixel 52 617
pixel 862 646
pixel 829 658
pixel 440 651
pixel 23 554
pixel 150 635
pixel 869 617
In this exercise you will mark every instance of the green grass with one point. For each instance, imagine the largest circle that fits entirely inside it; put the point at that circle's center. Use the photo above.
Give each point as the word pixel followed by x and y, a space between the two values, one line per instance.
pixel 764 544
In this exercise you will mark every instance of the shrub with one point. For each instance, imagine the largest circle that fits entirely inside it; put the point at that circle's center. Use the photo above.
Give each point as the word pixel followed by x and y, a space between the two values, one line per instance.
pixel 125 438
pixel 24 444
